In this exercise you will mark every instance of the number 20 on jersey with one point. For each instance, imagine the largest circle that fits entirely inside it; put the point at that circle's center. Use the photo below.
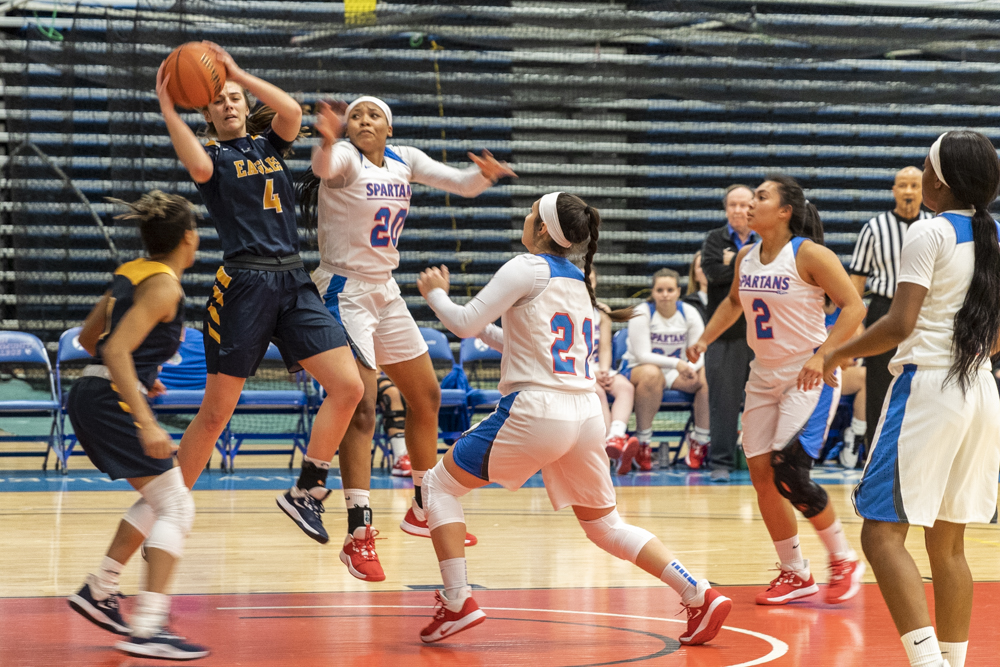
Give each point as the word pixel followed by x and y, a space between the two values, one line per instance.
pixel 384 233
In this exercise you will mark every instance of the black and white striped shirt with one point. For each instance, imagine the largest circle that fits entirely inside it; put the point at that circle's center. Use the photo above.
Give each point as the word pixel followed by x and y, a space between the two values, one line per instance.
pixel 876 254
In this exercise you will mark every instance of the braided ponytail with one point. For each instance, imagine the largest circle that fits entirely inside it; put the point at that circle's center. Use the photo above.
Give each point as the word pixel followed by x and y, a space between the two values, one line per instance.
pixel 163 220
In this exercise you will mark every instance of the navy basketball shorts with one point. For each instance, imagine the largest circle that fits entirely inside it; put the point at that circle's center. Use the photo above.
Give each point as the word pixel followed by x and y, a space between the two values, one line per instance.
pixel 107 433
pixel 249 308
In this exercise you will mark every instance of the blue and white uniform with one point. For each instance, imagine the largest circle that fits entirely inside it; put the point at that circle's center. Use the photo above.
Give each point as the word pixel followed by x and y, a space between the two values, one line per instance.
pixel 549 418
pixel 785 326
pixel 362 209
pixel 936 451
pixel 662 341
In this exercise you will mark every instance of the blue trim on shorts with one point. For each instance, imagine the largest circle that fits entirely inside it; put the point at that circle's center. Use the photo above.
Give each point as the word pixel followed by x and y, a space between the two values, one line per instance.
pixel 624 370
pixel 472 451
pixel 878 496
pixel 560 267
pixel 332 297
pixel 812 436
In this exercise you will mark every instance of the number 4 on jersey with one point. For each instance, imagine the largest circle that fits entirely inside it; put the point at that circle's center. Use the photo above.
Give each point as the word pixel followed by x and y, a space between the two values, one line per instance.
pixel 271 200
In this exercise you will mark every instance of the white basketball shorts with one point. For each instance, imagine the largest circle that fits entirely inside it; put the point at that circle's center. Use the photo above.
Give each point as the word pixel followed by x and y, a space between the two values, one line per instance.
pixel 936 453
pixel 374 316
pixel 776 411
pixel 560 434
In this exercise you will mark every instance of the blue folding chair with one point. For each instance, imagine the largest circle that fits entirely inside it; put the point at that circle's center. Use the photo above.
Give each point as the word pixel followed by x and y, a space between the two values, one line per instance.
pixel 294 403
pixel 453 418
pixel 475 356
pixel 673 401
pixel 70 353
pixel 25 362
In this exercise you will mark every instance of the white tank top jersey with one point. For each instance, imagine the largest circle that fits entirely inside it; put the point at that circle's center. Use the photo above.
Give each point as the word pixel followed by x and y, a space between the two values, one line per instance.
pixel 668 336
pixel 362 208
pixel 938 254
pixel 785 318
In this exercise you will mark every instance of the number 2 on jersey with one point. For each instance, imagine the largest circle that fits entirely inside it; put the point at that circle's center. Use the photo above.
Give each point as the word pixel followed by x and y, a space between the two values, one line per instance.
pixel 764 330
pixel 562 325
pixel 383 234
pixel 271 200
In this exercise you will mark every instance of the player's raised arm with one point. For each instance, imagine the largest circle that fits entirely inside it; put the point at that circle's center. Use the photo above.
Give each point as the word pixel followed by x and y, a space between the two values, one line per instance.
pixel 189 150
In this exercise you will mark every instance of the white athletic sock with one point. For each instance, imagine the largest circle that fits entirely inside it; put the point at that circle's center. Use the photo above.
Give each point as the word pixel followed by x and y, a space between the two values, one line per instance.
pixel 679 579
pixel 790 554
pixel 150 615
pixel 617 430
pixel 922 648
pixel 701 435
pixel 456 582
pixel 835 541
pixel 104 582
pixel 644 437
pixel 954 652
pixel 859 426
pixel 398 443
pixel 418 483
pixel 323 465
pixel 357 498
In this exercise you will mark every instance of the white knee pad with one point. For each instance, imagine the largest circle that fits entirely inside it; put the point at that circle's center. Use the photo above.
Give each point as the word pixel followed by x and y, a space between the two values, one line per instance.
pixel 141 517
pixel 617 537
pixel 174 508
pixel 441 492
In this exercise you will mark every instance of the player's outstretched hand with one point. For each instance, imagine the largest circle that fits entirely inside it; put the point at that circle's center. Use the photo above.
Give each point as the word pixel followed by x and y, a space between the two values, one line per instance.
pixel 695 351
pixel 490 167
pixel 233 71
pixel 156 442
pixel 831 362
pixel 433 278
pixel 166 102
pixel 330 120
pixel 158 389
pixel 811 374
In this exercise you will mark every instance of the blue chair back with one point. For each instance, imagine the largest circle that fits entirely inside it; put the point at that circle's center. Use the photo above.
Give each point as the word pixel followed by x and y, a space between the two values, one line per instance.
pixel 437 345
pixel 186 370
pixel 619 344
pixel 473 349
pixel 70 348
pixel 24 348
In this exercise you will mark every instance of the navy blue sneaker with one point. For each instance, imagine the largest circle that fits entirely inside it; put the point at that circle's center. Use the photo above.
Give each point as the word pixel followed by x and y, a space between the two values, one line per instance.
pixel 305 511
pixel 103 613
pixel 164 644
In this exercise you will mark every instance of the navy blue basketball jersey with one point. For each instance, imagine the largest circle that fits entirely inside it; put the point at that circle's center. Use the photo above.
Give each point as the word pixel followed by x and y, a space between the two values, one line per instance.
pixel 251 196
pixel 163 341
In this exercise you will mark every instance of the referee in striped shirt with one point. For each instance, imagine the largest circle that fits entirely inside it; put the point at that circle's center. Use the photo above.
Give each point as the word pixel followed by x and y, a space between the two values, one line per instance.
pixel 875 266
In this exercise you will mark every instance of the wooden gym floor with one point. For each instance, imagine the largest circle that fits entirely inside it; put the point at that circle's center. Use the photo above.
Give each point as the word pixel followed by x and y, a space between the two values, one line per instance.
pixel 256 591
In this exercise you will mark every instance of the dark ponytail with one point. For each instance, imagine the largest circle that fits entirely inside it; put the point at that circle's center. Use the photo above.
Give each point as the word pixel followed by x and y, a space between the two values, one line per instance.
pixel 163 219
pixel 307 195
pixel 969 165
pixel 805 218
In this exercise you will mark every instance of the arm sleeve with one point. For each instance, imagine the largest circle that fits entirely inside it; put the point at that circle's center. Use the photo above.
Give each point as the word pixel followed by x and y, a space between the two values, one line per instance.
pixel 336 165
pixel 715 270
pixel 919 254
pixel 514 281
pixel 696 327
pixel 492 335
pixel 640 346
pixel 468 182
pixel 861 260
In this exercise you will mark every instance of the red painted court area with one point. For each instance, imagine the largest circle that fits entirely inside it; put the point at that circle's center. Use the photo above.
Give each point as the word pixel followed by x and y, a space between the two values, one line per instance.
pixel 564 627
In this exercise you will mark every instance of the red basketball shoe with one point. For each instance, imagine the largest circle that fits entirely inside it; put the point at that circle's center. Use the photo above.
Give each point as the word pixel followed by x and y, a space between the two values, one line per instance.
pixel 628 455
pixel 360 558
pixel 401 467
pixel 786 587
pixel 614 447
pixel 845 579
pixel 448 622
pixel 644 458
pixel 705 621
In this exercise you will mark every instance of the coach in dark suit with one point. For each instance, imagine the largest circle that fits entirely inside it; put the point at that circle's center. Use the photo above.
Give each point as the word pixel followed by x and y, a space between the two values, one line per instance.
pixel 727 360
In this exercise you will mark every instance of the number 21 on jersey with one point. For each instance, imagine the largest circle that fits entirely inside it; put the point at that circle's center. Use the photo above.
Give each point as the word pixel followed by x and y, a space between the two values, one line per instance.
pixel 562 326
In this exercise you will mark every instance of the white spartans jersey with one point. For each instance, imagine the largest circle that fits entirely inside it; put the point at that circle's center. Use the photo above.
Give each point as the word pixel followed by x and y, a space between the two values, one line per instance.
pixel 938 254
pixel 548 341
pixel 668 336
pixel 362 209
pixel 785 318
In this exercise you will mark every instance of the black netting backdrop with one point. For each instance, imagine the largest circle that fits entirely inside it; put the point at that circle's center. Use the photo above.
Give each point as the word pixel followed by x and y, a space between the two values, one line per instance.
pixel 646 109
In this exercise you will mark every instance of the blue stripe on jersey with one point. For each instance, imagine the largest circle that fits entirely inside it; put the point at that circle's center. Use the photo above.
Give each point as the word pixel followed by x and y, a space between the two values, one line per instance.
pixel 560 267
pixel 332 296
pixel 796 242
pixel 963 227
pixel 878 496
pixel 472 451
pixel 392 156
pixel 814 433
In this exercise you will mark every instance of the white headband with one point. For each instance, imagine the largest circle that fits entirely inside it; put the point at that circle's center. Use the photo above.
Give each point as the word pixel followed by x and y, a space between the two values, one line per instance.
pixel 374 100
pixel 550 216
pixel 935 156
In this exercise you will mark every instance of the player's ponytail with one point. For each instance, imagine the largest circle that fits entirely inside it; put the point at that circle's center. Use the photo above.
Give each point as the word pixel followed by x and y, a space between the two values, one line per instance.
pixel 805 219
pixel 163 219
pixel 307 195
pixel 969 165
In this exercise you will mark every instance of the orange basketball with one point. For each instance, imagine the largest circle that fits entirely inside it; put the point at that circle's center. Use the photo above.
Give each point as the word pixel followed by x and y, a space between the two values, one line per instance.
pixel 196 77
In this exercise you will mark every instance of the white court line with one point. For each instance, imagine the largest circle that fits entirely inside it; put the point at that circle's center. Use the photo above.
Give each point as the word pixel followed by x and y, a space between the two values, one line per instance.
pixel 778 647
